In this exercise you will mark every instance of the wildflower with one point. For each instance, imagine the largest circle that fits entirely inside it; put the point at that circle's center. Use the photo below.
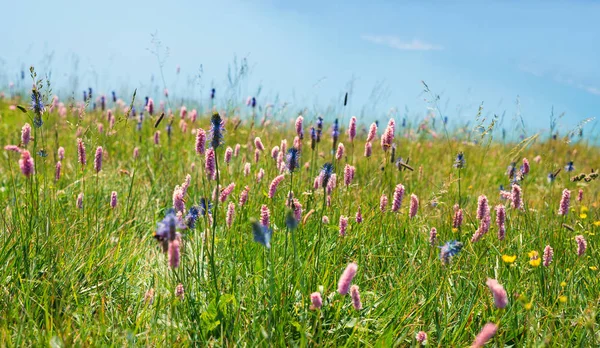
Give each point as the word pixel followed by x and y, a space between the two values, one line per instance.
pixel 178 203
pixel 383 201
pixel 537 159
pixel 81 152
pixel 548 253
pixel 511 170
pixel 216 131
pixel 37 105
pixel 299 129
pixel 368 149
pixel 26 163
pixel 387 137
pixel 597 223
pixel 528 306
pixel 273 187
pixel 325 219
pixel 326 173
pixel 460 161
pixel 179 292
pixel 421 337
pixel 517 199
pixel 593 268
pixel 316 301
pixel 525 169
pixel 174 253
pixel 498 292
pixel 563 209
pixel 57 171
pixel 262 234
pixel 508 258
pixel 372 132
pixel 98 159
pixel 319 128
pixel 200 141
pixel 244 196
pixel 292 159
pixel 258 144
pixel 352 128
pixel 247 169
pixel 487 332
pixel 297 209
pixel 166 230
pixel 136 153
pixel 210 163
pixel 340 151
pixel 260 175
pixel 500 221
pixel 348 174
pixel 265 215
pixel 335 132
pixel 230 213
pixel 581 245
pixel 80 201
pixel 398 197
pixel 449 250
pixel 414 205
pixel 346 278
pixel 570 167
pixel 204 207
pixel 580 195
pixel 562 299
pixel 25 134
pixel 226 192
pixel 458 217
pixel 534 259
pixel 113 199
pixel 343 225
pixel 313 138
pixel 432 236
pixel 358 217
pixel 482 207
pixel 192 217
pixel 355 294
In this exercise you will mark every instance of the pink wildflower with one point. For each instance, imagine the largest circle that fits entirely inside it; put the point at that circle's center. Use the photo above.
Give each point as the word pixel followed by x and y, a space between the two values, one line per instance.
pixel 26 163
pixel 355 294
pixel 414 205
pixel 316 301
pixel 563 209
pixel 265 215
pixel 498 292
pixel 547 257
pixel 398 197
pixel 346 278
pixel 343 225
pixel 487 332
pixel 273 187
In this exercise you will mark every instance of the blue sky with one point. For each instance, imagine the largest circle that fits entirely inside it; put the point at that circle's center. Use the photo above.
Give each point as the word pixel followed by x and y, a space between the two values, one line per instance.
pixel 545 52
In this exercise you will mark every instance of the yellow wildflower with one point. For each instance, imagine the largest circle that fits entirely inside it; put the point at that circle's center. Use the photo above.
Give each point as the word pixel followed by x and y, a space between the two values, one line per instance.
pixel 593 268
pixel 528 306
pixel 563 284
pixel 597 223
pixel 534 259
pixel 508 258
pixel 583 216
pixel 584 209
pixel 562 299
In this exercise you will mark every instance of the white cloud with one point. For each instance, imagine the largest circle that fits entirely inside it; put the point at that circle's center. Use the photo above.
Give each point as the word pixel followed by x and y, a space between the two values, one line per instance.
pixel 558 76
pixel 396 43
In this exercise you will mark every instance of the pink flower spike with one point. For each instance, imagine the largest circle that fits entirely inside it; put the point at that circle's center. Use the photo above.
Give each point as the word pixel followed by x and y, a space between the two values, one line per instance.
pixel 346 278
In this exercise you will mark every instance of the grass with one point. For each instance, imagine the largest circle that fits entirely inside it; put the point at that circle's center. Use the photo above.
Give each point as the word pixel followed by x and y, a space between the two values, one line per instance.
pixel 80 277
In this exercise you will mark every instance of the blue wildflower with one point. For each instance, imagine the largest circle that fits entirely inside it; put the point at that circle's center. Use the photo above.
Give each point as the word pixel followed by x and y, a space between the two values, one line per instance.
pixel 510 170
pixel 551 177
pixel 22 74
pixel 262 234
pixel 166 230
pixel 253 102
pixel 319 128
pixel 169 130
pixel 147 100
pixel 103 102
pixel 90 92
pixel 212 93
pixel 217 128
pixel 192 217
pixel 570 167
pixel 204 207
pixel 133 111
pixel 335 133
pixel 114 96
pixel 313 138
pixel 445 119
pixel 326 172
pixel 449 250
pixel 37 105
pixel 292 159
pixel 460 161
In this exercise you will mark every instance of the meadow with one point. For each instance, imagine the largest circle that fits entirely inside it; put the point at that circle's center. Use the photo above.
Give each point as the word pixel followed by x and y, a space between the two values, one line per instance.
pixel 222 226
